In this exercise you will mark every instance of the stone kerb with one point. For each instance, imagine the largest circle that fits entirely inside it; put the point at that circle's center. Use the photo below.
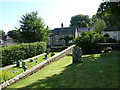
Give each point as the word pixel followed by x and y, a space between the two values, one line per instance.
pixel 37 67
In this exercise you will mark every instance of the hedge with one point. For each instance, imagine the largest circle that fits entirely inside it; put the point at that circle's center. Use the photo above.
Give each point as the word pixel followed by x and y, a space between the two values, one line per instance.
pixel 13 53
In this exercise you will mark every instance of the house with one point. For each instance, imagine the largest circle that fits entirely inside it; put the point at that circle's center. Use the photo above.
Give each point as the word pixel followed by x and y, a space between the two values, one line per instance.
pixel 83 30
pixel 58 33
pixel 113 32
pixel 7 41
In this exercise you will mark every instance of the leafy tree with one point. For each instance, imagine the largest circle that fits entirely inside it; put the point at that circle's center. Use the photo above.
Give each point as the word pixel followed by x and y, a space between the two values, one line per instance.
pixel 15 35
pixel 93 20
pixel 80 21
pixel 88 41
pixel 32 28
pixel 109 11
pixel 99 26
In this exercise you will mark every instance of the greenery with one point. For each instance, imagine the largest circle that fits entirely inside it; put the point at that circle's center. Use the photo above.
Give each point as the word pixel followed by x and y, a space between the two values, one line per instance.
pixel 5 75
pixel 14 71
pixel 99 26
pixel 15 35
pixel 22 51
pixel 109 11
pixel 88 41
pixel 80 21
pixel 95 71
pixel 32 29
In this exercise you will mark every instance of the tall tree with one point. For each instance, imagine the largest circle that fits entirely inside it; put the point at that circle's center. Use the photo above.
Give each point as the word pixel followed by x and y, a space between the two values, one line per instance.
pixel 80 21
pixel 109 11
pixel 99 26
pixel 32 28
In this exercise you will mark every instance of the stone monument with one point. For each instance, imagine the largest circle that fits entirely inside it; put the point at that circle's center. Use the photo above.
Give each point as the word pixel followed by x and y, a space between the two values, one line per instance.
pixel 77 54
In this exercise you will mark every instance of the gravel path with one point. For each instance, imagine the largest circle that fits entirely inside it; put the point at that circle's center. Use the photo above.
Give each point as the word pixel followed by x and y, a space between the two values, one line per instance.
pixel 3 68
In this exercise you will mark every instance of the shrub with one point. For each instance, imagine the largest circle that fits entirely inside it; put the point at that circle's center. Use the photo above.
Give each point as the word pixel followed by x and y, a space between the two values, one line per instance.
pixel 22 51
pixel 88 41
pixel 5 75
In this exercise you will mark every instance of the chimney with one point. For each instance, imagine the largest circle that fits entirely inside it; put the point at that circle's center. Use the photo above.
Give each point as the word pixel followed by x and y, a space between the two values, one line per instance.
pixel 61 25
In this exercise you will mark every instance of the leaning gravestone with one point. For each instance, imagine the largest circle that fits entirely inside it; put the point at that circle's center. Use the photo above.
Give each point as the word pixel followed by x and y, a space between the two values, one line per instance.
pixel 77 54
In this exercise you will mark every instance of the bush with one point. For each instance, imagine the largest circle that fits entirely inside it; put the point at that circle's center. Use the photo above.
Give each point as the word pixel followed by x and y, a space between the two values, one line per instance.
pixel 22 51
pixel 88 41
pixel 5 75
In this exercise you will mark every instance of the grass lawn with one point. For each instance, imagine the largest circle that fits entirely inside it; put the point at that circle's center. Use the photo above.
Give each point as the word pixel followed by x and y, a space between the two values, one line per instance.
pixel 95 71
pixel 14 71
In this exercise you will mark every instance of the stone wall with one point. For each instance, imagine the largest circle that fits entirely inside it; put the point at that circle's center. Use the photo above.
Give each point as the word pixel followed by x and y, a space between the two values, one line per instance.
pixel 37 67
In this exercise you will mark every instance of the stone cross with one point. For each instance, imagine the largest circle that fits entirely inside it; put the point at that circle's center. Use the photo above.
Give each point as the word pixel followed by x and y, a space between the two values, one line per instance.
pixel 77 54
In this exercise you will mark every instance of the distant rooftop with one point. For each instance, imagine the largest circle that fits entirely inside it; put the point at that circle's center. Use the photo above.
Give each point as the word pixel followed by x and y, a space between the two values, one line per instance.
pixel 114 28
pixel 64 30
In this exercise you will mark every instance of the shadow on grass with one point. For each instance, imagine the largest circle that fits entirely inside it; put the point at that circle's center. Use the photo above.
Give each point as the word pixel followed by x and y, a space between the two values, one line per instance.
pixel 93 72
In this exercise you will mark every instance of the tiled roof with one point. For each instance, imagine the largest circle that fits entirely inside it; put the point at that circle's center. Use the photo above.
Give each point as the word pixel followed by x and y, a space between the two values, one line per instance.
pixel 114 28
pixel 84 29
pixel 63 31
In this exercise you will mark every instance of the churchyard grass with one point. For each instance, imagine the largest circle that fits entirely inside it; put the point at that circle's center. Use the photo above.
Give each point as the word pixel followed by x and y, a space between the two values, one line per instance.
pixel 14 71
pixel 95 71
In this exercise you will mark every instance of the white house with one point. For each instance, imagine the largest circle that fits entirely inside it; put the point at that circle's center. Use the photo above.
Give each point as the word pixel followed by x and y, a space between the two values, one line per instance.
pixel 113 32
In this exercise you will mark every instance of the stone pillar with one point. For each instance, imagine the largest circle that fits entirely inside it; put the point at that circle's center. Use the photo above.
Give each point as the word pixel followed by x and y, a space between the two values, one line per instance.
pixel 77 54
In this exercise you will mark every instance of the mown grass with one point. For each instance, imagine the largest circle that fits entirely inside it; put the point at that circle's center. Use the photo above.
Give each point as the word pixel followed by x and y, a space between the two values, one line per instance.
pixel 95 71
pixel 14 71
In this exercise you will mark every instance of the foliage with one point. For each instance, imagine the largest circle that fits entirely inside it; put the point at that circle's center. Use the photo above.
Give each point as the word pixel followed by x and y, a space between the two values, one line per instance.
pixel 80 21
pixel 5 75
pixel 99 26
pixel 32 29
pixel 15 35
pixel 109 11
pixel 88 41
pixel 22 51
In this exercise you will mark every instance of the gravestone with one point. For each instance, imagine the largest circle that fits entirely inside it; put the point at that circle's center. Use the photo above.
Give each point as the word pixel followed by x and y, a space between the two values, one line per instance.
pixel 17 63
pixel 24 66
pixel 45 56
pixel 77 54
pixel 52 54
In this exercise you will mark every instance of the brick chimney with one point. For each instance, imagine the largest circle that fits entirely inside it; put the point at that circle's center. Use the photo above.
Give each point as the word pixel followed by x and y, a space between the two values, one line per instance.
pixel 61 25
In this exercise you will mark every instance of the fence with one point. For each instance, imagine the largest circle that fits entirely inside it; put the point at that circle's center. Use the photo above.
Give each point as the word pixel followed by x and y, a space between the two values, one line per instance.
pixel 37 67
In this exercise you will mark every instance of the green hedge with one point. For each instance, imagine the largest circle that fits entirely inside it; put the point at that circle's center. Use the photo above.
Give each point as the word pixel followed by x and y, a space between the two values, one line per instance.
pixel 22 51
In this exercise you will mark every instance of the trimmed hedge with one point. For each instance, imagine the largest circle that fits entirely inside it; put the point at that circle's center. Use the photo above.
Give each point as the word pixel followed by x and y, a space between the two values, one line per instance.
pixel 22 51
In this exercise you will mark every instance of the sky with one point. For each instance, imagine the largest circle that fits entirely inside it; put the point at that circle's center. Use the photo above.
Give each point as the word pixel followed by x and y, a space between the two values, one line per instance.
pixel 53 12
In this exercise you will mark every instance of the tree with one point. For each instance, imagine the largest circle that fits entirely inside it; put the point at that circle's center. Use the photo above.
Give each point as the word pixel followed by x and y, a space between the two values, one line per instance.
pixel 80 21
pixel 109 11
pixel 32 28
pixel 99 26
pixel 15 35
pixel 88 41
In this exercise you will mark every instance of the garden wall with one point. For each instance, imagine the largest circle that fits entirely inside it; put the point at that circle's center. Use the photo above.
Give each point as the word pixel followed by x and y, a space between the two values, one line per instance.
pixel 37 67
